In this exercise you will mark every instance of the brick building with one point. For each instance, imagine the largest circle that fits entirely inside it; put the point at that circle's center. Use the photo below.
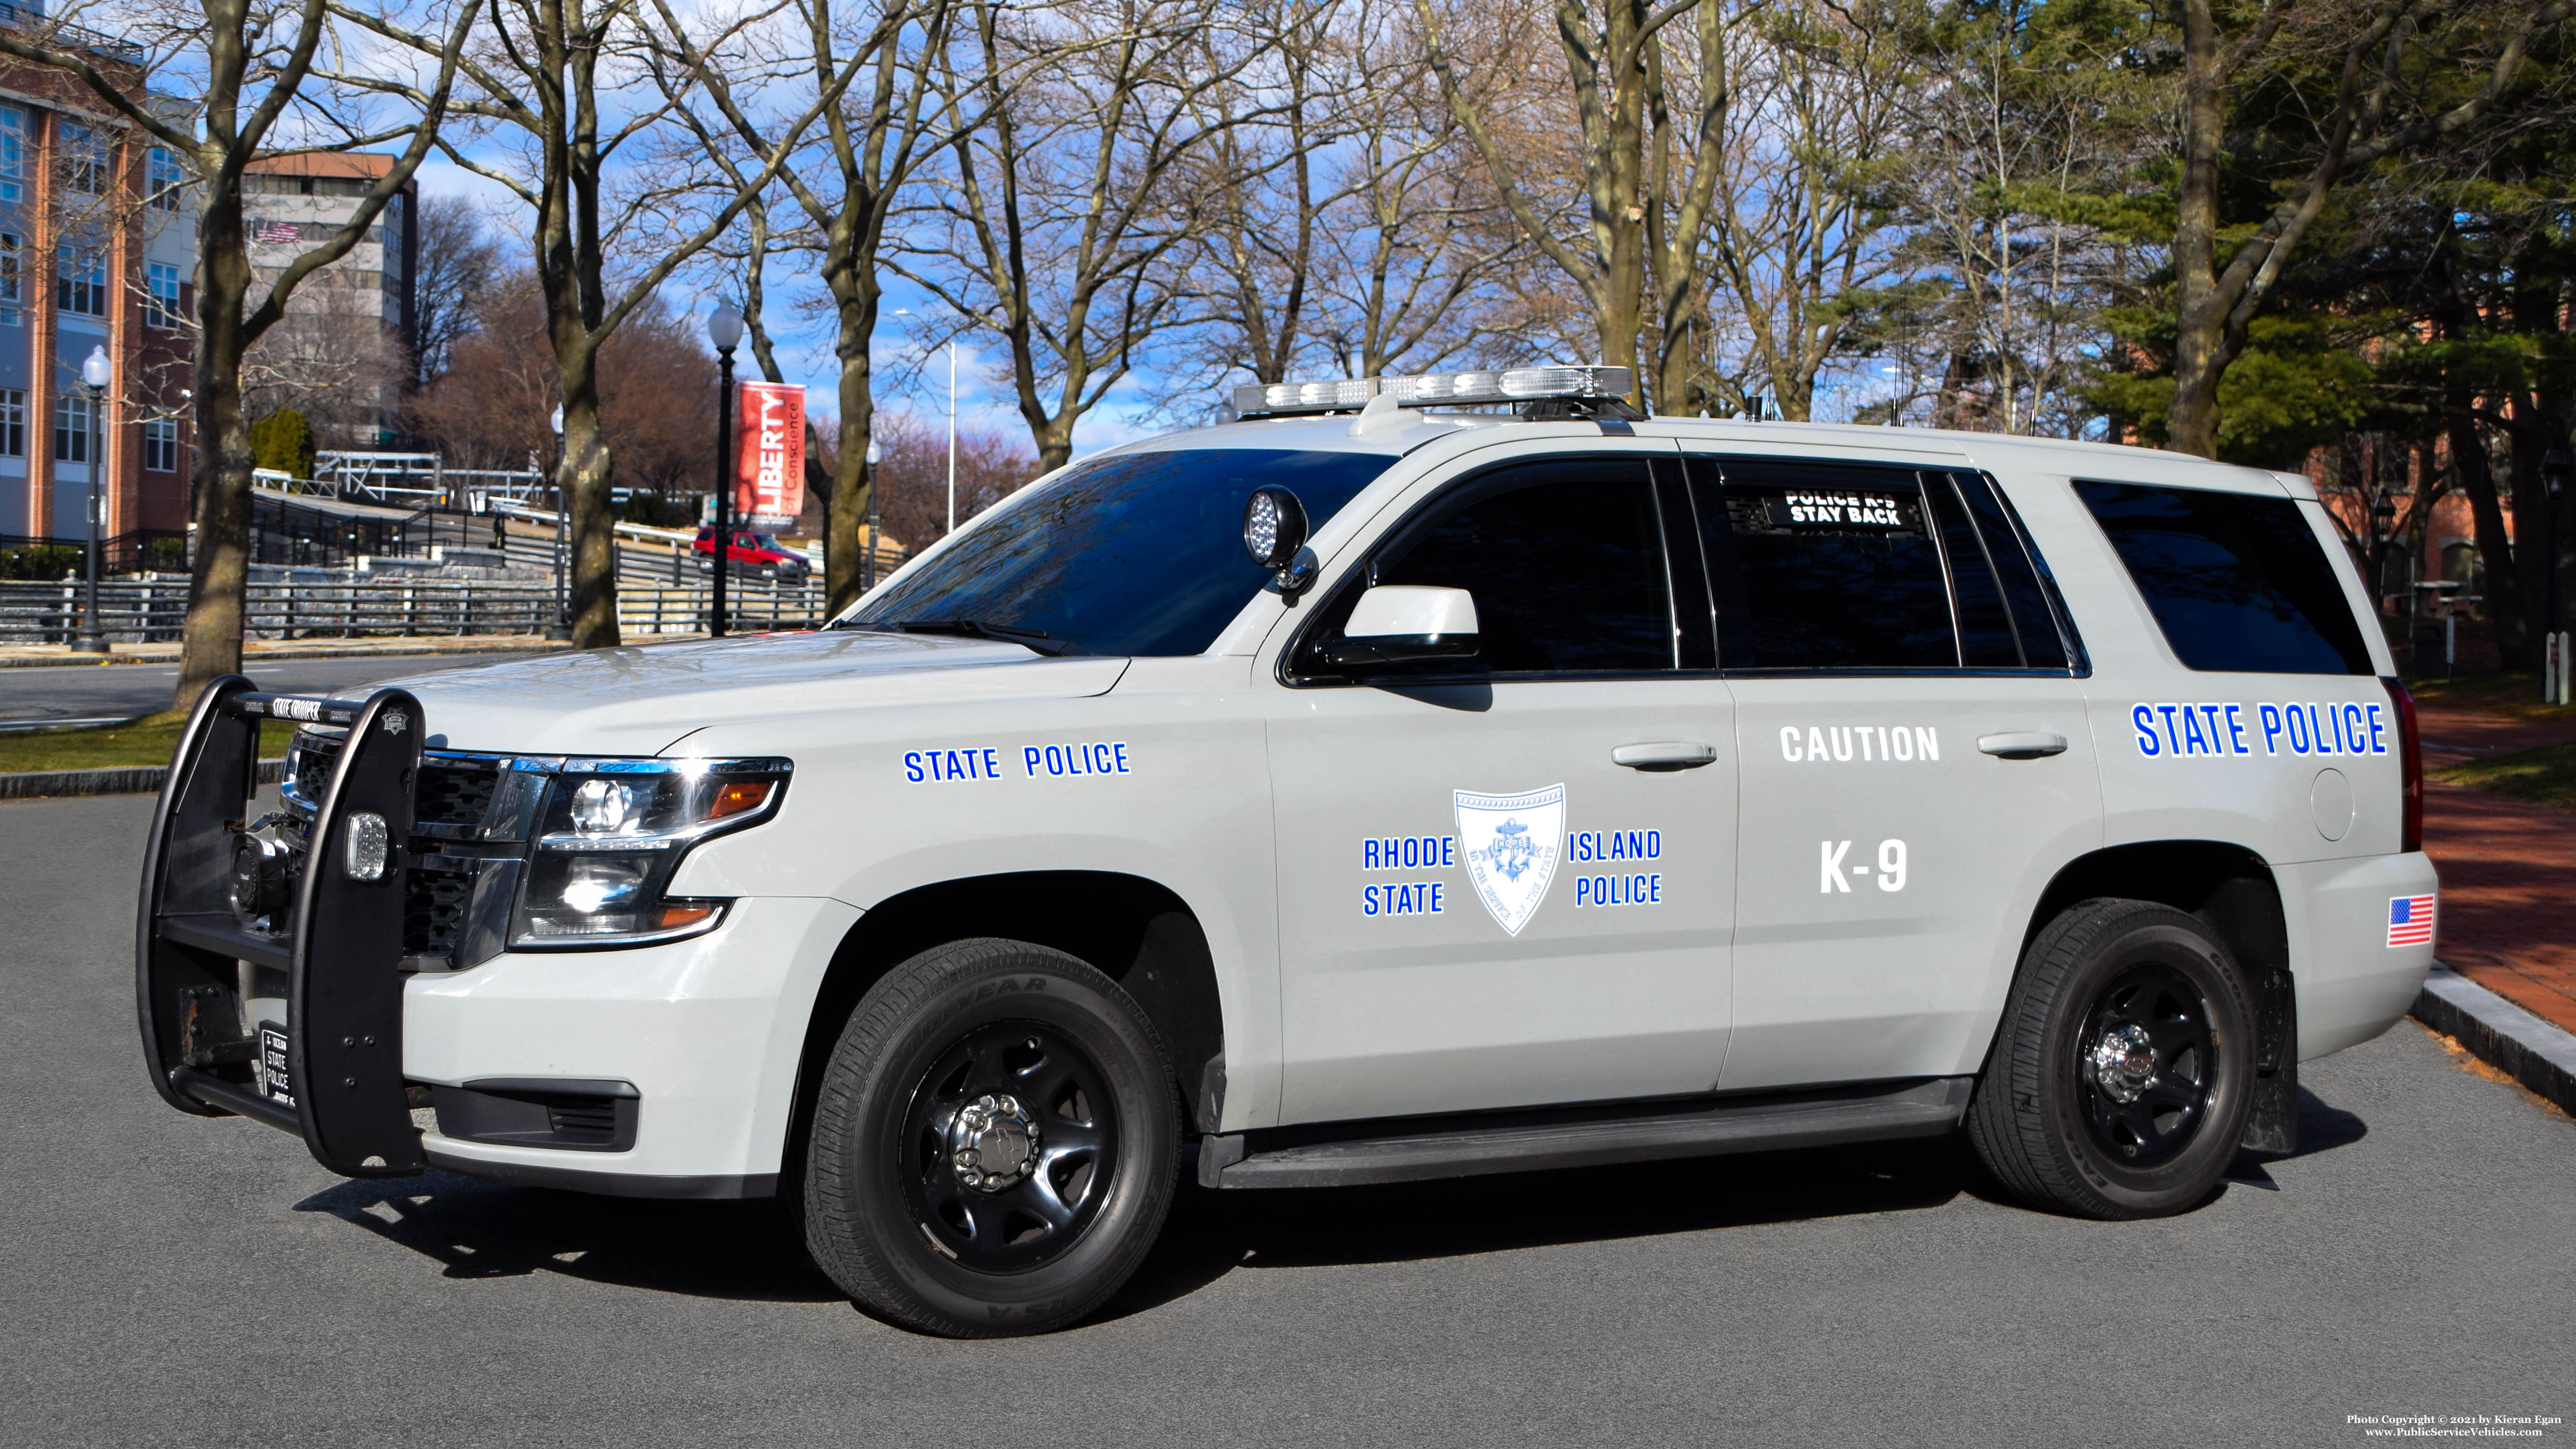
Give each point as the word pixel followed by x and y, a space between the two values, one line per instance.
pixel 97 250
pixel 362 303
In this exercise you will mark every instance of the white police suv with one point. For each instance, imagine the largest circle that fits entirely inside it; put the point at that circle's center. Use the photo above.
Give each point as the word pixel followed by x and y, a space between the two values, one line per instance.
pixel 1547 787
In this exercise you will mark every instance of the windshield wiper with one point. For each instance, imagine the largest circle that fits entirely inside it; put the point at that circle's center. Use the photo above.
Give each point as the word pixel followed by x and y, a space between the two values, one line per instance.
pixel 1037 639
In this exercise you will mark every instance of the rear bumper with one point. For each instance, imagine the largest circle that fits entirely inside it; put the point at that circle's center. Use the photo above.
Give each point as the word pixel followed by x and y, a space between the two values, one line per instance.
pixel 2352 984
pixel 708 1031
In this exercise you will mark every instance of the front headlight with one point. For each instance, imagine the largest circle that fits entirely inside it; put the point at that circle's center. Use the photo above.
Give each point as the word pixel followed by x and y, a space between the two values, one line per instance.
pixel 610 835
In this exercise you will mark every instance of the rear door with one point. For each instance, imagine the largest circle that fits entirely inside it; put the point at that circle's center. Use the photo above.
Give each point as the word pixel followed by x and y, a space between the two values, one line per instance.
pixel 1914 754
pixel 1479 906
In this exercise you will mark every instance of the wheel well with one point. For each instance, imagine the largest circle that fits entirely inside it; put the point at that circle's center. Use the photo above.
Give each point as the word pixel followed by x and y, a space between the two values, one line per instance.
pixel 1134 931
pixel 2232 891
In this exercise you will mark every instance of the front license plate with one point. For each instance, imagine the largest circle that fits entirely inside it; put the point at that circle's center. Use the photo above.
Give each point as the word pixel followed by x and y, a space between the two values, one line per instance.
pixel 272 1064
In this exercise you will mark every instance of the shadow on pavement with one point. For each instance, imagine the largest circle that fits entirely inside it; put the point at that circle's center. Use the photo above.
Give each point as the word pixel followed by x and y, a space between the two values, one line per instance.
pixel 750 1250
pixel 737 1250
pixel 1213 1233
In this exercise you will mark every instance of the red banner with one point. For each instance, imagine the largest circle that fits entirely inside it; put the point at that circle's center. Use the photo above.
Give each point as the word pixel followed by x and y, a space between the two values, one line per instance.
pixel 769 470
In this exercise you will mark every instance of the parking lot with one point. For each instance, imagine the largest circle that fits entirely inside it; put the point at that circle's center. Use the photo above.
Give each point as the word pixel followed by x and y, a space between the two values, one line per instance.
pixel 177 1280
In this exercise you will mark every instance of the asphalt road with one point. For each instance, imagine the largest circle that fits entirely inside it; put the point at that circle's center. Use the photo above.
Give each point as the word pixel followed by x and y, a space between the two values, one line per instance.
pixel 174 1280
pixel 123 691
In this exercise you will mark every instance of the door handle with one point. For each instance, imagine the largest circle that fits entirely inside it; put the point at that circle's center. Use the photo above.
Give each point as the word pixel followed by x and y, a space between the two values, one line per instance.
pixel 1667 755
pixel 2022 744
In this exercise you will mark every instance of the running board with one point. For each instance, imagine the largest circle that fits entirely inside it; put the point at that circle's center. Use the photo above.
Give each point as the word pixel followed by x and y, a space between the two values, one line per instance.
pixel 1335 1155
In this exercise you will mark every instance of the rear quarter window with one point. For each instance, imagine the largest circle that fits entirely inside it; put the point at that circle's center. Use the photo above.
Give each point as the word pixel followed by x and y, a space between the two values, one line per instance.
pixel 2237 582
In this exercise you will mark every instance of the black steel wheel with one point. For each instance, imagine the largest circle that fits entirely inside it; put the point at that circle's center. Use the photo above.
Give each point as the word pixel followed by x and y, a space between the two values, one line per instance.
pixel 994 1142
pixel 2123 1069
pixel 2144 1061
pixel 1012 1140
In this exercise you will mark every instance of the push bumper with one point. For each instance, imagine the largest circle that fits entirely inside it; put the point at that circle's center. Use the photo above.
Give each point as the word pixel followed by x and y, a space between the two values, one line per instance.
pixel 666 1070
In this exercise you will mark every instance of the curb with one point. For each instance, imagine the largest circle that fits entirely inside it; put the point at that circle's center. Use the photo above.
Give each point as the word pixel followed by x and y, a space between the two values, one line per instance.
pixel 125 780
pixel 2533 1052
pixel 387 651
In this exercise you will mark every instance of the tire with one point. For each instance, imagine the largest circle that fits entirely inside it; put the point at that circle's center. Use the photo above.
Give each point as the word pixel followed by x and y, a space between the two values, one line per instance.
pixel 2123 1069
pixel 1002 1058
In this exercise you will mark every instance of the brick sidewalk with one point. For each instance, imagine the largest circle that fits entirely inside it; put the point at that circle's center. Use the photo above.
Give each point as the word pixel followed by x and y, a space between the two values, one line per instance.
pixel 2508 912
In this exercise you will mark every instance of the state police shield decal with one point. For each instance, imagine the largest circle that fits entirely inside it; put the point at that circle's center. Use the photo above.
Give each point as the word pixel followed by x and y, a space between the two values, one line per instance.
pixel 1512 844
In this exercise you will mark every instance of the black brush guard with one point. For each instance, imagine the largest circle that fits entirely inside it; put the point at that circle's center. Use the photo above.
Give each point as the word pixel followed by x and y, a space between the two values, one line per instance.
pixel 341 948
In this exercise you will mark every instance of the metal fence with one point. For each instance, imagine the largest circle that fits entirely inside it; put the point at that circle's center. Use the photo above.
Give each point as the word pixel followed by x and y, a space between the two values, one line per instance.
pixel 151 609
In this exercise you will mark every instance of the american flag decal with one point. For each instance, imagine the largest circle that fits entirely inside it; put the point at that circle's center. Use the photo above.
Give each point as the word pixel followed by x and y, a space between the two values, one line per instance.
pixel 2410 920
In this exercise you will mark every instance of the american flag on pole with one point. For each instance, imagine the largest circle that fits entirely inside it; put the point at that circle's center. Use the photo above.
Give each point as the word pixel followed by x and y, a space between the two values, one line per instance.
pixel 278 234
pixel 2410 920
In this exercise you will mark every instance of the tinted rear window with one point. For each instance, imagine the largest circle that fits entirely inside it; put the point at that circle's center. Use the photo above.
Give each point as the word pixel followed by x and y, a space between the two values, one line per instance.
pixel 1140 553
pixel 2239 584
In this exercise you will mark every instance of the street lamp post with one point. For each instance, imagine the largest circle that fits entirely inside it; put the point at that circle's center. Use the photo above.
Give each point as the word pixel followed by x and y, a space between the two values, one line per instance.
pixel 868 558
pixel 724 329
pixel 561 628
pixel 952 436
pixel 2557 470
pixel 95 373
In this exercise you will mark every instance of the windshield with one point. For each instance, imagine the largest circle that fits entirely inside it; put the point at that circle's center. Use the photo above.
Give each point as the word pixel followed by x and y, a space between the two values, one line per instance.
pixel 1141 553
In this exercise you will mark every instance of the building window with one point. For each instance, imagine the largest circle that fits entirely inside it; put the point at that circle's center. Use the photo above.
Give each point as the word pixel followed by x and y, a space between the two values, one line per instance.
pixel 161 445
pixel 84 151
pixel 13 154
pixel 82 288
pixel 161 307
pixel 13 422
pixel 167 181
pixel 13 276
pixel 71 427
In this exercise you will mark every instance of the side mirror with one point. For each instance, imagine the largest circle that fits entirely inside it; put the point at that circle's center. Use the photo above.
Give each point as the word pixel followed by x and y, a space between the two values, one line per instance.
pixel 1403 623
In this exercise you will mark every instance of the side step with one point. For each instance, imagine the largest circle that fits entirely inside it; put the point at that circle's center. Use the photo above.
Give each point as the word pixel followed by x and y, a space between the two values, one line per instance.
pixel 1408 1150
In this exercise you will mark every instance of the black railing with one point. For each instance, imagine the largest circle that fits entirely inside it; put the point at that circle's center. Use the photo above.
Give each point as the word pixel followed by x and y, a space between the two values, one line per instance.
pixel 157 550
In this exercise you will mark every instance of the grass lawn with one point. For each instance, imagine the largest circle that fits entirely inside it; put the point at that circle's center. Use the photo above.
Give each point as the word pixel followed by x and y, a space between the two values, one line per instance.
pixel 2547 775
pixel 147 741
pixel 2514 695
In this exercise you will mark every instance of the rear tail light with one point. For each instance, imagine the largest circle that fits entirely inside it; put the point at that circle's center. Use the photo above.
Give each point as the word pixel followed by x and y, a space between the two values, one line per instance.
pixel 2410 745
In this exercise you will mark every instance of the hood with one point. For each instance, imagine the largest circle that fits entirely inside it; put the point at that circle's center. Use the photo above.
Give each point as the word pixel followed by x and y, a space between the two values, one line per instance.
pixel 642 701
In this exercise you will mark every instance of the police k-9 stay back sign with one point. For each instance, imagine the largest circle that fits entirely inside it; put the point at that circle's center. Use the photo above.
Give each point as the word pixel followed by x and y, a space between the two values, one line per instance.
pixel 769 469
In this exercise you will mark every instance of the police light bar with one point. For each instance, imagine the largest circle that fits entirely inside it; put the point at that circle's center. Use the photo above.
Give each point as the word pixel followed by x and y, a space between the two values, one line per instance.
pixel 1434 389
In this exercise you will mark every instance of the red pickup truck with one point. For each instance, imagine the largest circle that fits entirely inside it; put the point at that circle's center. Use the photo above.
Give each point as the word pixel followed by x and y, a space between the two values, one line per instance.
pixel 752 554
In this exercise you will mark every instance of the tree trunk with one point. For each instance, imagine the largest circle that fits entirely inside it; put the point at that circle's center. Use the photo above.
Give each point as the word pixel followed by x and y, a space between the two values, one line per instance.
pixel 853 481
pixel 583 474
pixel 2200 352
pixel 211 638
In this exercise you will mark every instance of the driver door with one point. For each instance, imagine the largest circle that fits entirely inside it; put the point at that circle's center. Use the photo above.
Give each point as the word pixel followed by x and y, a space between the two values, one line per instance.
pixel 1480 907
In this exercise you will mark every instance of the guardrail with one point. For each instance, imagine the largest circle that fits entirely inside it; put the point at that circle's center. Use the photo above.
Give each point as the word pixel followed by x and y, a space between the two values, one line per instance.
pixel 152 609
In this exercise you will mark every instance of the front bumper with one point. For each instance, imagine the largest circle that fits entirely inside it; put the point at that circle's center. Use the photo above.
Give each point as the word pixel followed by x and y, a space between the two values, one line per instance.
pixel 708 1031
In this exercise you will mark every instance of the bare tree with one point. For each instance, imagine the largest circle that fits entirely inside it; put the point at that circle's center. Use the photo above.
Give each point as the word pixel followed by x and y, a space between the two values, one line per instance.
pixel 459 261
pixel 846 187
pixel 1061 213
pixel 541 81
pixel 1603 248
pixel 1801 211
pixel 1416 242
pixel 657 399
pixel 248 64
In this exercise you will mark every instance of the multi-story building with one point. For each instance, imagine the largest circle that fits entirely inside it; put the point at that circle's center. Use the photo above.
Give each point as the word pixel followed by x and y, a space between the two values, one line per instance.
pixel 349 328
pixel 97 252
